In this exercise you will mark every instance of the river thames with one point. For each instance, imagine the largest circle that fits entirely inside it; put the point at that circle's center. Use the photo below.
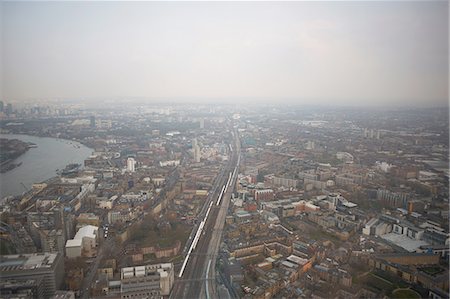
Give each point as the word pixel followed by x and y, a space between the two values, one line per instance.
pixel 41 163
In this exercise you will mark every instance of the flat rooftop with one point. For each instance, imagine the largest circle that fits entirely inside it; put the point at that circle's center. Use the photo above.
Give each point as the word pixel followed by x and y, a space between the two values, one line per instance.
pixel 403 241
pixel 26 261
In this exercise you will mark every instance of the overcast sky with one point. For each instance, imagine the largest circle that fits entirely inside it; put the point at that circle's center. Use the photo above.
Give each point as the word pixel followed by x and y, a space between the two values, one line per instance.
pixel 322 52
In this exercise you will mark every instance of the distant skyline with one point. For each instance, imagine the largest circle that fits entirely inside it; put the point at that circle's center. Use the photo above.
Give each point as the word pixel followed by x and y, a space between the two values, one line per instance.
pixel 312 52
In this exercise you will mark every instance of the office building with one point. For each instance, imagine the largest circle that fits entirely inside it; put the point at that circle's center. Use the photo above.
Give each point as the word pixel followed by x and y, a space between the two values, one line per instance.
pixel 21 288
pixel 38 273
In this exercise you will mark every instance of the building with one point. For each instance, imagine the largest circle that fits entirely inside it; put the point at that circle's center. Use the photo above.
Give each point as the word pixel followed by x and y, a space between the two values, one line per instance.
pixel 264 194
pixel 52 240
pixel 38 273
pixel 21 288
pixel 131 163
pixel 92 121
pixel 107 203
pixel 84 243
pixel 47 229
pixel 197 151
pixel 436 236
pixel 9 109
pixel 280 181
pixel 392 199
pixel 149 281
pixel 345 157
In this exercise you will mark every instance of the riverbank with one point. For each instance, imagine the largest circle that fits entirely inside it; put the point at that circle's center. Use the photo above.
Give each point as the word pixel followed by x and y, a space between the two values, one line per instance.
pixel 10 150
pixel 40 163
pixel 58 136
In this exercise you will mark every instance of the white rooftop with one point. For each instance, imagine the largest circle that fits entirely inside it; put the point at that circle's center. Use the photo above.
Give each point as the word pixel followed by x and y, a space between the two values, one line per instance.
pixel 349 204
pixel 86 231
pixel 403 241
pixel 74 243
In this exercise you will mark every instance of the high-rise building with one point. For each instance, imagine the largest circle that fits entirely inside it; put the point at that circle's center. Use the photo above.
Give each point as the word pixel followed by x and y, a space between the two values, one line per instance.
pixel 45 269
pixel 92 123
pixel 1 106
pixel 196 150
pixel 131 163
pixel 149 281
pixel 9 109
pixel 202 123
pixel 197 154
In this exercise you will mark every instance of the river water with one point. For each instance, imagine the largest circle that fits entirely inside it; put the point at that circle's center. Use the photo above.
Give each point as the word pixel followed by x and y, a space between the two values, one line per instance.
pixel 41 163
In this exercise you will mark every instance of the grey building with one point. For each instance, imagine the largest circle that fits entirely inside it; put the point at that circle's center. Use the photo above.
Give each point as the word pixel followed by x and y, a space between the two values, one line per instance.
pixel 21 288
pixel 49 267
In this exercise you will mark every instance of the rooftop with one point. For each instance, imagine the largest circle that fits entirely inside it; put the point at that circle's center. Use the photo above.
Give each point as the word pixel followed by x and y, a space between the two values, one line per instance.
pixel 27 261
pixel 86 231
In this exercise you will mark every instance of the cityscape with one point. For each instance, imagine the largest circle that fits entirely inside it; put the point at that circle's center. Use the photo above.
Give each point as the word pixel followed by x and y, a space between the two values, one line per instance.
pixel 199 196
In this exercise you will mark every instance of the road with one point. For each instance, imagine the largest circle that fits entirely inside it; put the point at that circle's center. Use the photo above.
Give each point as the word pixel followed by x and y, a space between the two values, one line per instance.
pixel 89 278
pixel 197 278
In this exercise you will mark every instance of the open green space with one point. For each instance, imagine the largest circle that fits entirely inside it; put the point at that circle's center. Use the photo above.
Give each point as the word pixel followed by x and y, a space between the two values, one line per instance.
pixel 150 233
pixel 432 270
pixel 379 283
pixel 6 247
pixel 405 294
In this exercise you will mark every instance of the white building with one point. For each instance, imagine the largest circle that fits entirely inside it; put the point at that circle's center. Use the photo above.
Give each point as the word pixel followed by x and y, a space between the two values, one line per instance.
pixel 149 281
pixel 131 163
pixel 169 163
pixel 344 156
pixel 384 166
pixel 197 151
pixel 369 228
pixel 84 243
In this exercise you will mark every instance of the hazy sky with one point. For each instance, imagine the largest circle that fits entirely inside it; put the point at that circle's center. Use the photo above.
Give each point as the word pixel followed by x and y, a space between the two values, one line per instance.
pixel 321 52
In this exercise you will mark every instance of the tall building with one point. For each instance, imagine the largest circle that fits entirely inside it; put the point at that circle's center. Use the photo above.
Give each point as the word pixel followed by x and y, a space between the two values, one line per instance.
pixel 9 109
pixel 149 281
pixel 202 123
pixel 196 150
pixel 45 271
pixel 92 123
pixel 131 163
pixel 1 106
